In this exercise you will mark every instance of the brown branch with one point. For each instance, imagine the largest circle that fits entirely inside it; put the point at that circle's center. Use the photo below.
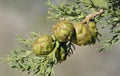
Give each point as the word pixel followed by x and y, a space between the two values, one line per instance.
pixel 91 16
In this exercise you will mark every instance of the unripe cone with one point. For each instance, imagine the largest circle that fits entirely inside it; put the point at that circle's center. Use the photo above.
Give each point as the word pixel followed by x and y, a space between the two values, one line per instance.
pixel 43 45
pixel 93 29
pixel 82 34
pixel 63 30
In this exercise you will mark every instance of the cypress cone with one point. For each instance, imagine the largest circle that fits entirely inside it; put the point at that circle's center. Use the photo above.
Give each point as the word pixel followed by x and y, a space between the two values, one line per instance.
pixel 63 30
pixel 93 29
pixel 82 34
pixel 43 45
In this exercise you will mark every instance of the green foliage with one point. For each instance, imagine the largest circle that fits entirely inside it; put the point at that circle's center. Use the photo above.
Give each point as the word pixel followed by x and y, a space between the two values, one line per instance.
pixel 112 16
pixel 77 10
pixel 23 58
pixel 70 11
pixel 96 3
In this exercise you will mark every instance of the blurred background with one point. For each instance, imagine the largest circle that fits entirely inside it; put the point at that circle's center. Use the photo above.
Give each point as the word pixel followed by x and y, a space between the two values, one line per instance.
pixel 24 16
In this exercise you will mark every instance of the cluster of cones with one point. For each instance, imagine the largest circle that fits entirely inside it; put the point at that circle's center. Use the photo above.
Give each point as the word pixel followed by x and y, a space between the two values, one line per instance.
pixel 65 33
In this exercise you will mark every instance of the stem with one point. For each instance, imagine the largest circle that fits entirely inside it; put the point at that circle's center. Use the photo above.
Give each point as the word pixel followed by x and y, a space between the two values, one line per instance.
pixel 91 16
pixel 27 53
pixel 50 56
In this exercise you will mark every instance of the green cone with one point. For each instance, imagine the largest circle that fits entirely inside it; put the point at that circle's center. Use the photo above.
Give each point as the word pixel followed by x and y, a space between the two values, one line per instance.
pixel 43 45
pixel 63 30
pixel 82 34
pixel 93 29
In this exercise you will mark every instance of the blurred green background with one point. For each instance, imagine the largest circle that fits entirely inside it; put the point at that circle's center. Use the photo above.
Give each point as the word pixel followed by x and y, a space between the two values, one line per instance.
pixel 24 16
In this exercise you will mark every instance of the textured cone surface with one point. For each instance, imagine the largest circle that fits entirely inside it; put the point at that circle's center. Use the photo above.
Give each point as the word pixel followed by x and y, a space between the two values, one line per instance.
pixel 93 29
pixel 82 34
pixel 63 30
pixel 43 45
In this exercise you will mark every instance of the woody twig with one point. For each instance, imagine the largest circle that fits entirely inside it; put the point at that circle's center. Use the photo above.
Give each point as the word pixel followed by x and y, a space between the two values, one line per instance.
pixel 91 16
